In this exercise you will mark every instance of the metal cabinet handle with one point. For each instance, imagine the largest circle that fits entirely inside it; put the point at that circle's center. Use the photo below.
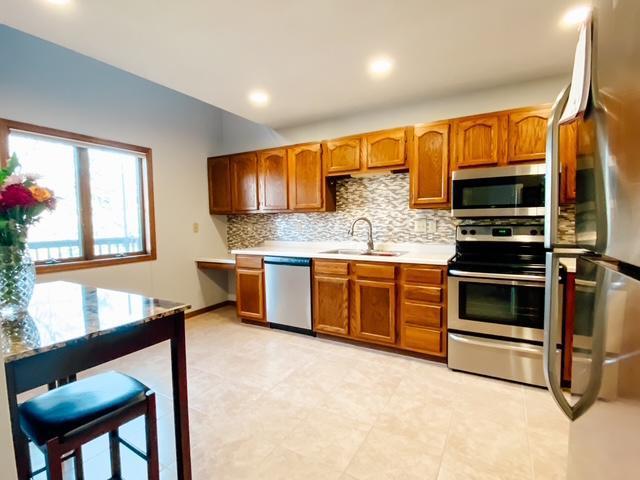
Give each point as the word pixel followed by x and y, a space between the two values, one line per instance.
pixel 552 179
pixel 551 373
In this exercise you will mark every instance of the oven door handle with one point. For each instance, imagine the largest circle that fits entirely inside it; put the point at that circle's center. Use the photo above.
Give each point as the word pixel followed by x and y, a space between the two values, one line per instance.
pixel 498 276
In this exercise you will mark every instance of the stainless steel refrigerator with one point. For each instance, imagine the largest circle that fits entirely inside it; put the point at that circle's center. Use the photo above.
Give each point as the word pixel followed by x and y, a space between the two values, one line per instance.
pixel 603 403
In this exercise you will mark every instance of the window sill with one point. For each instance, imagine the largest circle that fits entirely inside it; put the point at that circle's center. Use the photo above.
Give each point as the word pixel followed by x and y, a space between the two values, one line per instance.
pixel 95 263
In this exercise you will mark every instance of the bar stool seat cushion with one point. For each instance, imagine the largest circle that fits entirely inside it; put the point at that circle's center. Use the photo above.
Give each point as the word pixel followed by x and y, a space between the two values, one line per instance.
pixel 58 412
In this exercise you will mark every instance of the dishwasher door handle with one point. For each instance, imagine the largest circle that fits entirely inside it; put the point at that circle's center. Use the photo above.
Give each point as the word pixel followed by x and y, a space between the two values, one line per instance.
pixel 288 261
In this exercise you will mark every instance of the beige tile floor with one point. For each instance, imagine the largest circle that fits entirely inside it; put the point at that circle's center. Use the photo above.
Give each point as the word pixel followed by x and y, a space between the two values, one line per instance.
pixel 266 404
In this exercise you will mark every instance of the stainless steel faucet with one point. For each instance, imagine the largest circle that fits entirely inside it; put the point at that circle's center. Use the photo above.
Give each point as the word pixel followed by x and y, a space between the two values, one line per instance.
pixel 370 240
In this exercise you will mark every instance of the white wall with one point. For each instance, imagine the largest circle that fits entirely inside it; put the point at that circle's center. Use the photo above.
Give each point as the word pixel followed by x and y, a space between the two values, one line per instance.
pixel 47 85
pixel 487 100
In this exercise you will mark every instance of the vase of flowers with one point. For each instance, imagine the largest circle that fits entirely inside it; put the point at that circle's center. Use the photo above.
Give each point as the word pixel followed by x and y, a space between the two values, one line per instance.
pixel 22 201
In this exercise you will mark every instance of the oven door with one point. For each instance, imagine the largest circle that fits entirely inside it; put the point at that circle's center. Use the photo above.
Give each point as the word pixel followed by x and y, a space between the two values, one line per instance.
pixel 515 191
pixel 504 305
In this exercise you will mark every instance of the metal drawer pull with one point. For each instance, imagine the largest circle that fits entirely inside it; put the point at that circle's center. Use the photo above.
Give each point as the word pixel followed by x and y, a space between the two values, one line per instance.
pixel 500 346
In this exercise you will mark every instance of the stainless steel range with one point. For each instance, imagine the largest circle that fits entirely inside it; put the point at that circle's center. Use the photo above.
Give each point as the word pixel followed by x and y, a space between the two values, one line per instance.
pixel 496 302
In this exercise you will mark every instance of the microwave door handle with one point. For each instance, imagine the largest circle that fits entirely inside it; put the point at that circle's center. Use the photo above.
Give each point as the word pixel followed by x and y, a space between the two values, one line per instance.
pixel 551 374
pixel 552 177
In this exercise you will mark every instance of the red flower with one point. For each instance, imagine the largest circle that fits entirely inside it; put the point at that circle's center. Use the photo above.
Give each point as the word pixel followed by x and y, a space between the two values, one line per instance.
pixel 17 195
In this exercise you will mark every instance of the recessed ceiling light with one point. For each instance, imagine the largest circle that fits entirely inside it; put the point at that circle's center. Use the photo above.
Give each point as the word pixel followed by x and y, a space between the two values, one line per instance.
pixel 380 66
pixel 259 98
pixel 576 16
pixel 59 2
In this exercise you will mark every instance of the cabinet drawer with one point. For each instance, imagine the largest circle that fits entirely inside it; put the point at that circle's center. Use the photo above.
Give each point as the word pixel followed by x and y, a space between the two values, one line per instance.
pixel 422 340
pixel 387 272
pixel 329 267
pixel 422 315
pixel 248 261
pixel 431 275
pixel 422 294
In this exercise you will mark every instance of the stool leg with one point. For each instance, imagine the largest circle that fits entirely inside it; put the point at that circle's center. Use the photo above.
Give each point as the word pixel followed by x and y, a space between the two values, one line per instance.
pixel 114 449
pixel 53 460
pixel 77 463
pixel 153 467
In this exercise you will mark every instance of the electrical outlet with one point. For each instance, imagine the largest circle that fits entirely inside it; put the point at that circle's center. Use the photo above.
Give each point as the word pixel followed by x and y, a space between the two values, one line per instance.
pixel 420 225
pixel 432 226
pixel 196 227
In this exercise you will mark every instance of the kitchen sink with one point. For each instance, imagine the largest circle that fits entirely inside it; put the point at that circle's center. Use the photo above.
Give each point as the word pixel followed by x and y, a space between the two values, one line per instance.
pixel 378 253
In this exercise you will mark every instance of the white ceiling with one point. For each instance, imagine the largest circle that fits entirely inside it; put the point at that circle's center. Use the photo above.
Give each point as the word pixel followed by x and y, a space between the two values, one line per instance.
pixel 311 56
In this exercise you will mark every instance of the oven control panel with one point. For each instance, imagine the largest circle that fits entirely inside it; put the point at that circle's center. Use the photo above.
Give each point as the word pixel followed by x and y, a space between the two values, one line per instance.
pixel 500 233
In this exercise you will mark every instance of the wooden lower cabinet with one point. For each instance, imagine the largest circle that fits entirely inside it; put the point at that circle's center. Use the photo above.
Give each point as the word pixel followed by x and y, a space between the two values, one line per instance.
pixel 331 304
pixel 423 320
pixel 374 316
pixel 371 303
pixel 250 296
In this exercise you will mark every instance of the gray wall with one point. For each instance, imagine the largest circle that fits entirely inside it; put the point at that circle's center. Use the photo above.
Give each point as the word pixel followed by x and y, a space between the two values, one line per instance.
pixel 48 85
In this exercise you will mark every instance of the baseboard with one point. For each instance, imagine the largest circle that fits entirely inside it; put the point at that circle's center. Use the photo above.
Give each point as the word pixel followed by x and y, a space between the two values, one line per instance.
pixel 210 308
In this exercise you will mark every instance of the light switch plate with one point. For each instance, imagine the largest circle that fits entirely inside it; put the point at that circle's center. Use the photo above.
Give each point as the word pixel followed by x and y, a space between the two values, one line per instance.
pixel 420 225
pixel 196 227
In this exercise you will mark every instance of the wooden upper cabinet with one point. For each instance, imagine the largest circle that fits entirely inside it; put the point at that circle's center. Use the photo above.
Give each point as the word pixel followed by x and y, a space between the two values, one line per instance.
pixel 273 180
pixel 343 155
pixel 219 175
pixel 386 149
pixel 527 136
pixel 374 316
pixel 244 182
pixel 306 181
pixel 429 165
pixel 478 141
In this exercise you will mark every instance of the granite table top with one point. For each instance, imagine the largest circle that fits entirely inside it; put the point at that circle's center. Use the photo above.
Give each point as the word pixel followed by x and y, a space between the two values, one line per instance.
pixel 61 313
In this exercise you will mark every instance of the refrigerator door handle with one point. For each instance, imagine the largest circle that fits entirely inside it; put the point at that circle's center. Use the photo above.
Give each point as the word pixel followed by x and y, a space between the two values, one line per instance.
pixel 551 373
pixel 552 177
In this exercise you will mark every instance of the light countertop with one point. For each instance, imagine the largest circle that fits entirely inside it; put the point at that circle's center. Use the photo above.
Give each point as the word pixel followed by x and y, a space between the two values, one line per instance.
pixel 229 260
pixel 427 254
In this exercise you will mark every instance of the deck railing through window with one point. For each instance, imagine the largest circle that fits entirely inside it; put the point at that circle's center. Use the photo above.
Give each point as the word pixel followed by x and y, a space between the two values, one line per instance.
pixel 43 251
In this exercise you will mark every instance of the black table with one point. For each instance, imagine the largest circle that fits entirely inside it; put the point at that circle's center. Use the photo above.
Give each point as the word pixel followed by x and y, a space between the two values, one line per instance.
pixel 70 328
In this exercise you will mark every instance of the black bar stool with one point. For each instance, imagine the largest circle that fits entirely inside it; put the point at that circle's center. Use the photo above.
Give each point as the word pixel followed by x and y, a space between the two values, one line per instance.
pixel 62 420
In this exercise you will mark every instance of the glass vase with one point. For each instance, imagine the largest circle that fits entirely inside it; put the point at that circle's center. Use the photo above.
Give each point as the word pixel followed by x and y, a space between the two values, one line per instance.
pixel 17 279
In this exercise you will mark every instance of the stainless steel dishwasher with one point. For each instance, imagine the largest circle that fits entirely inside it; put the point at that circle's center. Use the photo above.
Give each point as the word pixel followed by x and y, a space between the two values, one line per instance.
pixel 288 292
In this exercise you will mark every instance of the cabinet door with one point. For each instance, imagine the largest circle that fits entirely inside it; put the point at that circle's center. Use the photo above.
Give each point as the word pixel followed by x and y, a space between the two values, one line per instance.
pixel 429 166
pixel 250 294
pixel 305 177
pixel 478 141
pixel 244 182
pixel 568 151
pixel 386 149
pixel 331 304
pixel 273 179
pixel 219 175
pixel 342 155
pixel 527 136
pixel 375 311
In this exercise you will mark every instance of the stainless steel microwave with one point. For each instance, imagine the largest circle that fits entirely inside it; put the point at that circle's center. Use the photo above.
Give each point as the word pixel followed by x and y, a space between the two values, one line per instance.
pixel 513 191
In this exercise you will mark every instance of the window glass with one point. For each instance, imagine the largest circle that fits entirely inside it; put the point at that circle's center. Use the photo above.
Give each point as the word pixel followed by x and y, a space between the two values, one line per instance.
pixel 116 201
pixel 57 235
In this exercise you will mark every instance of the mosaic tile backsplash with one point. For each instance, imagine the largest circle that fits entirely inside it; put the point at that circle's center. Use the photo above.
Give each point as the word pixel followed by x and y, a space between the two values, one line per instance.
pixel 383 199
